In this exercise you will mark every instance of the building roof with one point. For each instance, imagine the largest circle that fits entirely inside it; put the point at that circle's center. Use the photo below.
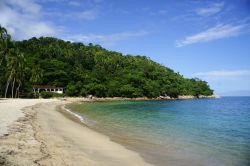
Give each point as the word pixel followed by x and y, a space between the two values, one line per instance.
pixel 47 86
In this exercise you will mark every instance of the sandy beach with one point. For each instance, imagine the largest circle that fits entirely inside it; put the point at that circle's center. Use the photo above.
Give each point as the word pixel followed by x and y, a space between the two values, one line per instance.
pixel 35 132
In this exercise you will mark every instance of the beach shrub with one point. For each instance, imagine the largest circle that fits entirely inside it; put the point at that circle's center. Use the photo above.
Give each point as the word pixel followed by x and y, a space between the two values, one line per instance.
pixel 47 95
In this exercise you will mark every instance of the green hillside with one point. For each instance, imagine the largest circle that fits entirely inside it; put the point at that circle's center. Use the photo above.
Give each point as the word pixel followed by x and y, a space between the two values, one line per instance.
pixel 86 70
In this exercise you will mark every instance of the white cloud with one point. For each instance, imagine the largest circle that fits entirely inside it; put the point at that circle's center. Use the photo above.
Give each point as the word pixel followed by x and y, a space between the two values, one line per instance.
pixel 105 39
pixel 26 6
pixel 223 74
pixel 211 10
pixel 23 19
pixel 218 32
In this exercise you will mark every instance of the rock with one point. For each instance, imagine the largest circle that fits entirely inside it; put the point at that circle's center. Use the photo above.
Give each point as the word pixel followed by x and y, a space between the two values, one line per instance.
pixel 186 97
pixel 2 160
pixel 6 134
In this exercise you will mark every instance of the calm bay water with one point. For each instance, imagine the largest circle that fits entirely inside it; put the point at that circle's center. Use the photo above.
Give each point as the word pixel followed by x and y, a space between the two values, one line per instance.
pixel 182 132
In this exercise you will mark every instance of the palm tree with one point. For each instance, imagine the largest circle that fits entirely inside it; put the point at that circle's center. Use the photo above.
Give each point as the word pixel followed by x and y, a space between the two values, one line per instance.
pixel 20 72
pixel 36 75
pixel 11 68
pixel 5 39
pixel 3 33
pixel 16 67
pixel 7 84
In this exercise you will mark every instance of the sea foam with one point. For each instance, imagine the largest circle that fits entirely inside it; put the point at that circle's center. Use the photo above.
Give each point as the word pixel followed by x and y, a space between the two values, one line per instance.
pixel 81 118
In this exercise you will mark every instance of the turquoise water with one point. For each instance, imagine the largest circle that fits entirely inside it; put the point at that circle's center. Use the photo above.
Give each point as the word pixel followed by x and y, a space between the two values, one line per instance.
pixel 182 132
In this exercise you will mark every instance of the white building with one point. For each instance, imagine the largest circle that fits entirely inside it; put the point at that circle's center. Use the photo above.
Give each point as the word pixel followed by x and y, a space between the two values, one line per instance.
pixel 47 88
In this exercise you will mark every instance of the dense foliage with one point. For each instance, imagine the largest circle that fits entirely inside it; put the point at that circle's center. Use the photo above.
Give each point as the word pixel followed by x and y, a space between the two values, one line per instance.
pixel 88 70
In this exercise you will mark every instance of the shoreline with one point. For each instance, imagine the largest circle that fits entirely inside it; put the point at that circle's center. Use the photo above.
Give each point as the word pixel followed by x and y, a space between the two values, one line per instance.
pixel 25 125
pixel 120 140
pixel 93 98
pixel 44 136
pixel 132 144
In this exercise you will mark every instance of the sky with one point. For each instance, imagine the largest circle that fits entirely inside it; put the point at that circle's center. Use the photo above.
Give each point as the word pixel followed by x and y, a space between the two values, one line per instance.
pixel 197 38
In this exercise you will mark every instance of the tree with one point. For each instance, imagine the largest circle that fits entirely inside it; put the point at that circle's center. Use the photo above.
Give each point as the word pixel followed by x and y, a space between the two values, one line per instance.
pixel 16 67
pixel 4 40
pixel 20 72
pixel 87 69
pixel 36 75
pixel 3 33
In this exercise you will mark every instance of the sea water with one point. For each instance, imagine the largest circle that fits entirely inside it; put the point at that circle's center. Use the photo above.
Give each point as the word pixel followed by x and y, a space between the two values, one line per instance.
pixel 213 132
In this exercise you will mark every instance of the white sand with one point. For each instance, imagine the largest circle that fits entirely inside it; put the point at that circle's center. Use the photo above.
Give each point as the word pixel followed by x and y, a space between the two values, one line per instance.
pixel 10 111
pixel 46 137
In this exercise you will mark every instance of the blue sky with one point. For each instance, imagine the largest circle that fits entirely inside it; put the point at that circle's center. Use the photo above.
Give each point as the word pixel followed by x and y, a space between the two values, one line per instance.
pixel 205 39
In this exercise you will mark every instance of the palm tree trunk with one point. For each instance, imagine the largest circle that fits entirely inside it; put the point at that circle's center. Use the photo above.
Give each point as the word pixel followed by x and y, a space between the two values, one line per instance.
pixel 13 86
pixel 7 85
pixel 17 91
pixel 1 61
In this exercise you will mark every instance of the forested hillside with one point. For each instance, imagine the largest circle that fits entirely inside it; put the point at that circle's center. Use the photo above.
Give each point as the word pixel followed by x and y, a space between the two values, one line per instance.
pixel 86 70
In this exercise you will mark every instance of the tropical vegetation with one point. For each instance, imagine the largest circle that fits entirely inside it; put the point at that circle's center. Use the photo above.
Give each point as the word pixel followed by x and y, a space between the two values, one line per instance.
pixel 86 70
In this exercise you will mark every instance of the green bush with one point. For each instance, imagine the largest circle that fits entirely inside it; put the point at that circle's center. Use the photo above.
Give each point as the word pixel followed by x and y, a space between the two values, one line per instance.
pixel 47 95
